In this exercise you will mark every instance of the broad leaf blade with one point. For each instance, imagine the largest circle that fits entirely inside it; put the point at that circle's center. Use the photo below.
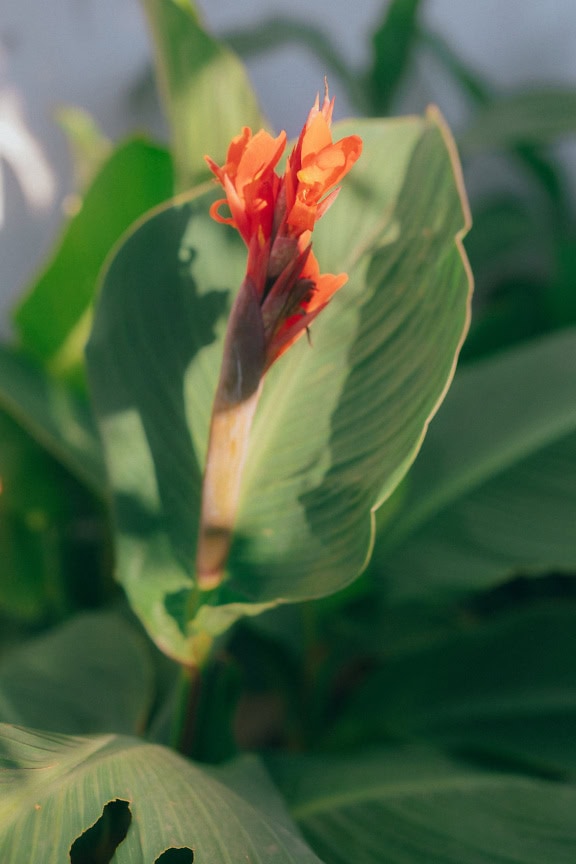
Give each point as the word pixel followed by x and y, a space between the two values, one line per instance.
pixel 57 419
pixel 504 687
pixel 412 806
pixel 53 319
pixel 206 91
pixel 92 674
pixel 232 813
pixel 338 424
pixel 492 493
pixel 533 117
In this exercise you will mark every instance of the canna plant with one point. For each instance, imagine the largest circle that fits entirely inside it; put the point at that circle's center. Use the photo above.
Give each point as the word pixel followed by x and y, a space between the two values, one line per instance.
pixel 259 376
pixel 282 292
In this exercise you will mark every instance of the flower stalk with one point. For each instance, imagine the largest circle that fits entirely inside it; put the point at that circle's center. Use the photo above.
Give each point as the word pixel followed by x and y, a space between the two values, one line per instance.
pixel 282 292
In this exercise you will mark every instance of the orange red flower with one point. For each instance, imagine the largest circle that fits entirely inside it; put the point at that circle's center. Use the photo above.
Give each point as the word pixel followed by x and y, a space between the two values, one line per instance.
pixel 275 216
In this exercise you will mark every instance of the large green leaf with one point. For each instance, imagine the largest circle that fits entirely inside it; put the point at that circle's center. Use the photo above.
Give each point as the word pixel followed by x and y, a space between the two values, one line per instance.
pixel 505 687
pixel 206 91
pixel 528 117
pixel 412 806
pixel 493 492
pixel 59 420
pixel 339 422
pixel 54 788
pixel 54 318
pixel 92 674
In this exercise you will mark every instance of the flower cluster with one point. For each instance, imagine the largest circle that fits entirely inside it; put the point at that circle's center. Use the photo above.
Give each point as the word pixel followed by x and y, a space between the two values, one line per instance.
pixel 275 216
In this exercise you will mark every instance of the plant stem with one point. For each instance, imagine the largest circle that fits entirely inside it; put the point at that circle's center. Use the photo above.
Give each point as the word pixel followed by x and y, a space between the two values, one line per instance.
pixel 185 713
pixel 237 394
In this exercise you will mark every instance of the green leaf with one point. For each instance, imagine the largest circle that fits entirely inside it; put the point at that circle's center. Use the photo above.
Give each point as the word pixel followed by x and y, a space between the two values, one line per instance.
pixel 271 34
pixel 492 493
pixel 58 420
pixel 473 86
pixel 53 487
pixel 92 674
pixel 409 805
pixel 56 787
pixel 506 238
pixel 88 145
pixel 206 92
pixel 338 424
pixel 53 319
pixel 34 517
pixel 393 43
pixel 505 688
pixel 527 117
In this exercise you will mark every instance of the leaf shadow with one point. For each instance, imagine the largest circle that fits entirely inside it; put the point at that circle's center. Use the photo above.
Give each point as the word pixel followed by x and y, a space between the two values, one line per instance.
pixel 416 262
pixel 151 322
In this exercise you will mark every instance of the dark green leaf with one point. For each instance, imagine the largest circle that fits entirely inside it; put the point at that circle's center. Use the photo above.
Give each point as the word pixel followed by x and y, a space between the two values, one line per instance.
pixel 505 688
pixel 393 43
pixel 92 674
pixel 57 419
pixel 527 117
pixel 34 515
pixel 412 806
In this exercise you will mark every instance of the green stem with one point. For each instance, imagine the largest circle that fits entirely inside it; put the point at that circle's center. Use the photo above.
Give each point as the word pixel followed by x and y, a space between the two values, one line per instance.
pixel 185 712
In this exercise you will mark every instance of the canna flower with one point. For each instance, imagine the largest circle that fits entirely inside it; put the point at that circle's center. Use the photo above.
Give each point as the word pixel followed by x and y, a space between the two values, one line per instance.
pixel 282 292
pixel 276 215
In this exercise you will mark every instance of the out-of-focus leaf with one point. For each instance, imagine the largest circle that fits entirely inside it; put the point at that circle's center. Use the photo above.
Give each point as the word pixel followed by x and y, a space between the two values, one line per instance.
pixel 55 788
pixel 504 688
pixel 527 117
pixel 393 42
pixel 53 319
pixel 469 80
pixel 513 315
pixel 270 34
pixel 494 490
pixel 58 420
pixel 53 487
pixel 88 144
pixel 483 96
pixel 51 530
pixel 92 674
pixel 505 233
pixel 206 92
pixel 559 300
pixel 33 514
pixel 413 806
pixel 338 423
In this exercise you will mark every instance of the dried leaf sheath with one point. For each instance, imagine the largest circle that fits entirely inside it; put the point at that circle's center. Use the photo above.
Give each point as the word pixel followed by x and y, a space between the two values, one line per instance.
pixel 233 410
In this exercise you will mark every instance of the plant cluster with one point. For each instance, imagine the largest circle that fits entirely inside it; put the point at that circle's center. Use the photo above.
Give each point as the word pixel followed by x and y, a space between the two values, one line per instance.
pixel 278 583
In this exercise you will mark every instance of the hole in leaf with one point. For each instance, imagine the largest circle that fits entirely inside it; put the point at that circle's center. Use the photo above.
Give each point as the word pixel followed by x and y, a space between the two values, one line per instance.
pixel 176 856
pixel 98 844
